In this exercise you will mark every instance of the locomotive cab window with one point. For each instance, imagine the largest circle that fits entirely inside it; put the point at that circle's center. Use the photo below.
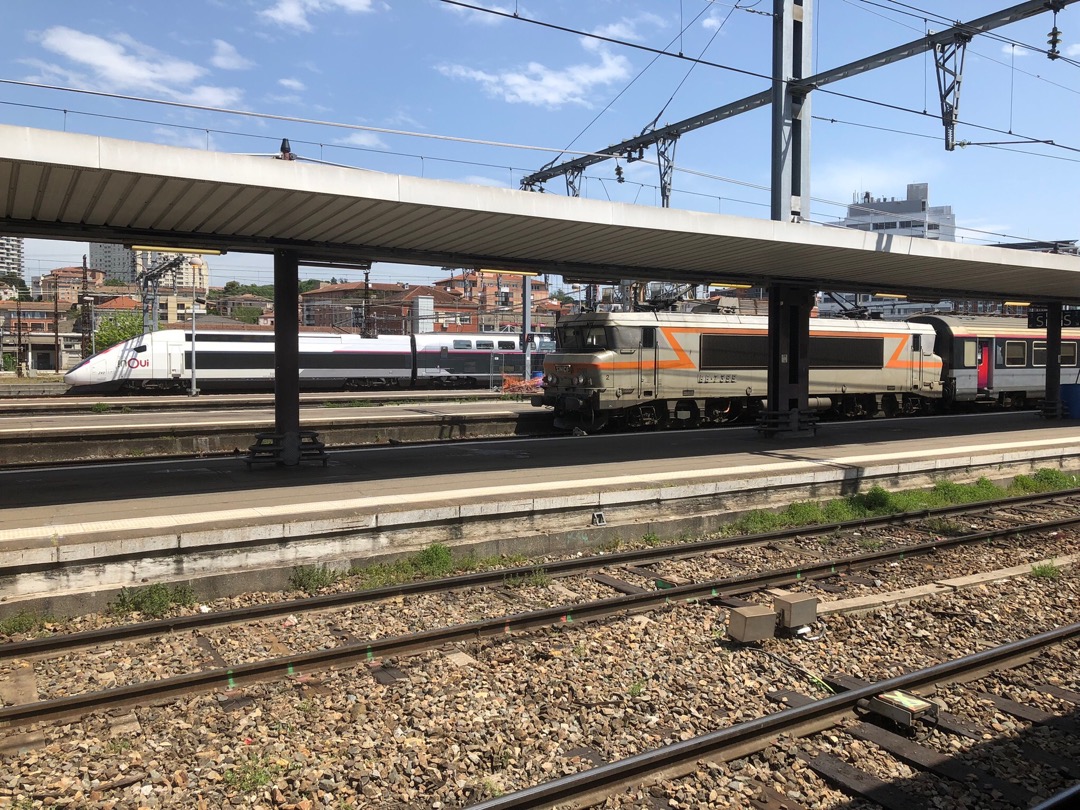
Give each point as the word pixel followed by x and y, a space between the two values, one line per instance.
pixel 584 338
pixel 648 337
pixel 1016 353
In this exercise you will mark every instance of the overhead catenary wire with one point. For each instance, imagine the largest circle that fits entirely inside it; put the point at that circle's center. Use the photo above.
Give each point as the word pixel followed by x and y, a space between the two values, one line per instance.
pixel 1028 139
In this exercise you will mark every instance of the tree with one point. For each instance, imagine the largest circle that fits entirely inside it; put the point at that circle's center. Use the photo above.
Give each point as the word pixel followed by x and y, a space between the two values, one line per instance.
pixel 231 288
pixel 15 280
pixel 116 329
pixel 247 314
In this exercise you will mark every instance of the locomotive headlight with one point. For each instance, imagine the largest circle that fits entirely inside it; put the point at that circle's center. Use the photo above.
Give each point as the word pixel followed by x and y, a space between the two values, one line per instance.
pixel 580 379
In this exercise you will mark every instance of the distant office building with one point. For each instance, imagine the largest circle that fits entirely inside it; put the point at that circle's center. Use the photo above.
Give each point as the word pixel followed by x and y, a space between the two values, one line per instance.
pixel 11 255
pixel 126 265
pixel 115 261
pixel 908 217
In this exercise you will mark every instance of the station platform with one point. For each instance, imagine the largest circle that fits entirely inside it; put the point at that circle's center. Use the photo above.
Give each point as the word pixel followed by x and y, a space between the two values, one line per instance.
pixel 71 536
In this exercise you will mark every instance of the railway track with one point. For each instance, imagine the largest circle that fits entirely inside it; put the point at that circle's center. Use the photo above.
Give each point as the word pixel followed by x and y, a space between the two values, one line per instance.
pixel 986 521
pixel 480 717
pixel 88 403
pixel 345 649
pixel 844 712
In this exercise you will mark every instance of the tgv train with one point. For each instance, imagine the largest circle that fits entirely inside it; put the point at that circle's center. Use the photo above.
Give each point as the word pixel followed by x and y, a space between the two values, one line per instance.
pixel 244 361
pixel 662 368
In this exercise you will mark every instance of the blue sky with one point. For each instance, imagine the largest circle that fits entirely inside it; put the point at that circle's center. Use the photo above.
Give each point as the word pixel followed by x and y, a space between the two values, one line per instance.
pixel 440 73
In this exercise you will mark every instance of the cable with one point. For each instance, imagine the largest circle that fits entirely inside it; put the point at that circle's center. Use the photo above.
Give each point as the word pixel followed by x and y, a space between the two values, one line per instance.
pixel 627 87
pixel 690 70
pixel 288 118
pixel 612 40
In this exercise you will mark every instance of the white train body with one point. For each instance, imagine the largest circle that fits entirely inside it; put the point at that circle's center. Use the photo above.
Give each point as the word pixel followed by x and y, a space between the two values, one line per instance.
pixel 243 360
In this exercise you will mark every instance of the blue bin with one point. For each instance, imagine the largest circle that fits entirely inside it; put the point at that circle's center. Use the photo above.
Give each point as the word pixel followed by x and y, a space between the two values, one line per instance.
pixel 1070 401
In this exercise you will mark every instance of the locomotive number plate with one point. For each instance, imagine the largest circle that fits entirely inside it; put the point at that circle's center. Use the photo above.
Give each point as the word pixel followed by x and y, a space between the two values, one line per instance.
pixel 563 367
pixel 716 378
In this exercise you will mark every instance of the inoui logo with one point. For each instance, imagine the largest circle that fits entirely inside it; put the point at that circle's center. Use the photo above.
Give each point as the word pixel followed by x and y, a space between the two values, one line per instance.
pixel 135 362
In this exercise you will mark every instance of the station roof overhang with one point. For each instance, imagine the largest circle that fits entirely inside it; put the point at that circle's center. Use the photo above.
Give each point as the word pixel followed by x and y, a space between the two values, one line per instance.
pixel 68 186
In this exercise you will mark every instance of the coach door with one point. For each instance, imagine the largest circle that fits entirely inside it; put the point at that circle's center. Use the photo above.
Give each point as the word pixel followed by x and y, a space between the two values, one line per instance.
pixel 647 362
pixel 916 364
pixel 176 362
pixel 985 359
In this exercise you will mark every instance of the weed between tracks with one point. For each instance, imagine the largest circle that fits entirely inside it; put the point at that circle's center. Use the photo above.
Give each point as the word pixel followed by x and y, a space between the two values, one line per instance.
pixel 157 600
pixel 1046 571
pixel 154 600
pixel 438 561
pixel 432 562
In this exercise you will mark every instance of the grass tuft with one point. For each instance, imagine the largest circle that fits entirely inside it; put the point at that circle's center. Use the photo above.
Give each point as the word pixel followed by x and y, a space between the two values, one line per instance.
pixel 1046 571
pixel 154 600
pixel 878 501
pixel 312 578
pixel 22 623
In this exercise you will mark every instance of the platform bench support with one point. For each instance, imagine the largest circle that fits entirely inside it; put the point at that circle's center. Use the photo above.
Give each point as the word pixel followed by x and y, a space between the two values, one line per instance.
pixel 269 448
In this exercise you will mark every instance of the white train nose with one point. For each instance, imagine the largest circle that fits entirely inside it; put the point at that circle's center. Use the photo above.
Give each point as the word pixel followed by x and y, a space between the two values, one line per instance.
pixel 80 375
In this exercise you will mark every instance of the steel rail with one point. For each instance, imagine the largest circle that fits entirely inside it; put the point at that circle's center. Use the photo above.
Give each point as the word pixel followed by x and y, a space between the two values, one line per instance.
pixel 571 791
pixel 72 641
pixel 374 650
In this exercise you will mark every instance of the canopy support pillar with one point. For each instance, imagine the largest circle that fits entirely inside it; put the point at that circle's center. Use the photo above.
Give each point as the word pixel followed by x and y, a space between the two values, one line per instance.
pixel 787 412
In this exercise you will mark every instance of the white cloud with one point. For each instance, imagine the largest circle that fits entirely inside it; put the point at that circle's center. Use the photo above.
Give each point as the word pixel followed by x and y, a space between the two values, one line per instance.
pixel 122 64
pixel 1072 50
pixel 292 84
pixel 294 13
pixel 540 85
pixel 368 140
pixel 227 57
pixel 713 20
pixel 184 137
pixel 480 17
pixel 627 27
pixel 209 96
pixel 1011 50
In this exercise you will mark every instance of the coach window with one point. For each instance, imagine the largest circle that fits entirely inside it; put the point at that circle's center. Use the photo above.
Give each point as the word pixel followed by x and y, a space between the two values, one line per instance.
pixel 507 344
pixel 485 344
pixel 1016 353
pixel 1068 354
pixel 971 354
pixel 462 344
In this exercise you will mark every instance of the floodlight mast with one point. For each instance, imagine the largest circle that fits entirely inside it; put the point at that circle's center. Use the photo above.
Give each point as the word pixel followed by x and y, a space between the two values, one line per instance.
pixel 633 148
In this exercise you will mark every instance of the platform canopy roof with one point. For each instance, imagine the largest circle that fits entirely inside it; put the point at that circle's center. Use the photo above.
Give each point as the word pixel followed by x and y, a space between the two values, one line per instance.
pixel 69 186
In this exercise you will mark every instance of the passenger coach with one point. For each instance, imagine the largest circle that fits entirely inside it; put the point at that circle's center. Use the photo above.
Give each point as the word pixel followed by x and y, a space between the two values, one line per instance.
pixel 996 361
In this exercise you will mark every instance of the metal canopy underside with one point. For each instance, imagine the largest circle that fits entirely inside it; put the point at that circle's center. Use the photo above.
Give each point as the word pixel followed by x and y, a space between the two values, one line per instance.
pixel 66 186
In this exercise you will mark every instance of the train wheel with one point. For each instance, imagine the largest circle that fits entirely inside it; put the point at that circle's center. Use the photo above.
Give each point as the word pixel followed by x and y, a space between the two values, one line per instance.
pixel 722 411
pixel 889 406
pixel 593 422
